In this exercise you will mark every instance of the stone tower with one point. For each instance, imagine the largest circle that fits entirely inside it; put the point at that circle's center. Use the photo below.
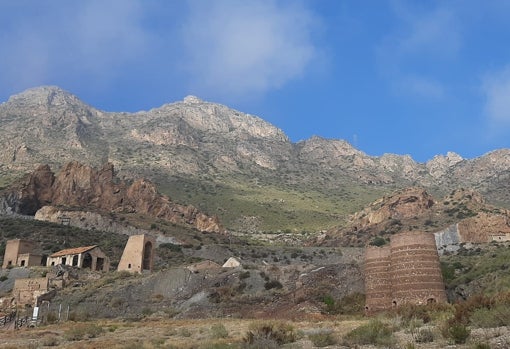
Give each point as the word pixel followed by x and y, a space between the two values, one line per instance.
pixel 378 278
pixel 406 271
pixel 138 255
pixel 416 272
pixel 19 252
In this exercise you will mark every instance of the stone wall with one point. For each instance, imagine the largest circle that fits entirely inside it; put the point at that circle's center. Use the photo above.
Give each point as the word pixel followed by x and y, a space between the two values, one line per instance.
pixel 406 271
pixel 27 290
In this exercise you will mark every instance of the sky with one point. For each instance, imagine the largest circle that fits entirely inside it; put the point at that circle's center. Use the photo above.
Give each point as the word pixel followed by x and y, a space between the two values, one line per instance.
pixel 406 77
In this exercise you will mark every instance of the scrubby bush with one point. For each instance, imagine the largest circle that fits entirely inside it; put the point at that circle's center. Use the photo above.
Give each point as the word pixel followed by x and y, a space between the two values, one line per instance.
pixel 269 332
pixel 457 332
pixel 374 332
pixel 218 331
pixel 50 341
pixel 424 335
pixel 272 284
pixel 82 331
pixel 322 339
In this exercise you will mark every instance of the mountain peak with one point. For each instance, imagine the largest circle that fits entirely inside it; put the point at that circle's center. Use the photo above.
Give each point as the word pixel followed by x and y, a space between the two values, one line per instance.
pixel 192 99
pixel 45 96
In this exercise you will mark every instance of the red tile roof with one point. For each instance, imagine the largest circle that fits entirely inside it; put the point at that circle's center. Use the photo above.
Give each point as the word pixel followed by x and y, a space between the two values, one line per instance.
pixel 76 250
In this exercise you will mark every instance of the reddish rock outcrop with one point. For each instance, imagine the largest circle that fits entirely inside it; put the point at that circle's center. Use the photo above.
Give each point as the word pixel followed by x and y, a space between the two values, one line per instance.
pixel 82 186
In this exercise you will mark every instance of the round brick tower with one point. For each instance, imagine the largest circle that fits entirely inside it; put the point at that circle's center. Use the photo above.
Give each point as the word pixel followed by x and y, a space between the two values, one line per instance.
pixel 377 279
pixel 415 270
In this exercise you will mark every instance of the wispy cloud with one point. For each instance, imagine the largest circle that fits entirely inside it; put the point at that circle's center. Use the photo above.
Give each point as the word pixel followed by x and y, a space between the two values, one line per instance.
pixel 247 47
pixel 69 40
pixel 436 33
pixel 496 88
pixel 422 38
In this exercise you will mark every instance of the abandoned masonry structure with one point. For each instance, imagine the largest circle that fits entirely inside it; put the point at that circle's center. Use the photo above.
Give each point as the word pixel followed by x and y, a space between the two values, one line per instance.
pixel 405 271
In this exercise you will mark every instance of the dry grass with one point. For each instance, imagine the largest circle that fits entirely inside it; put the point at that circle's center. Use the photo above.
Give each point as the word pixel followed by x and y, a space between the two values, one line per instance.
pixel 164 333
pixel 197 334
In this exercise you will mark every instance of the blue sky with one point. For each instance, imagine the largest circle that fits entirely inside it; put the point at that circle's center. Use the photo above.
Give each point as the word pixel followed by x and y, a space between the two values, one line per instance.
pixel 406 77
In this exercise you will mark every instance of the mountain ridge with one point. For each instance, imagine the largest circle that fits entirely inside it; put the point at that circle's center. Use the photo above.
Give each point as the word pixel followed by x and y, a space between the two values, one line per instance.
pixel 192 143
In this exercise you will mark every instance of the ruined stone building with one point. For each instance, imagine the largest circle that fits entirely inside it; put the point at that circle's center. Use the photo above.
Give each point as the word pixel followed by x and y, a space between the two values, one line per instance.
pixel 81 257
pixel 138 255
pixel 405 271
pixel 30 291
pixel 20 253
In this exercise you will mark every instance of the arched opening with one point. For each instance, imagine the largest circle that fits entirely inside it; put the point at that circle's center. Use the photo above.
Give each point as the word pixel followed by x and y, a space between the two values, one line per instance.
pixel 147 256
pixel 87 260
pixel 431 300
pixel 23 263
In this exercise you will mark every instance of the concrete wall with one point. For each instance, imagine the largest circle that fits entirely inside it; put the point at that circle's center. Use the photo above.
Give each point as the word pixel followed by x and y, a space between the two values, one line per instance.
pixel 406 271
pixel 138 255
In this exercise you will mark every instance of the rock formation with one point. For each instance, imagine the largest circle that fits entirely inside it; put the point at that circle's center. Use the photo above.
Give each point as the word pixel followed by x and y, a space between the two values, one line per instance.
pixel 461 216
pixel 81 186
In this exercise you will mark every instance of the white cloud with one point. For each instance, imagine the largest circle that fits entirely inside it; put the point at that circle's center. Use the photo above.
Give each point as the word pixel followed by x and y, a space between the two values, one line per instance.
pixel 87 40
pixel 496 88
pixel 247 47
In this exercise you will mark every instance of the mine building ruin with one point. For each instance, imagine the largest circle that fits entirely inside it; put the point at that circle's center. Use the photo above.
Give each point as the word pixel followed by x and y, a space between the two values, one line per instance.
pixel 138 255
pixel 407 271
pixel 20 253
pixel 81 257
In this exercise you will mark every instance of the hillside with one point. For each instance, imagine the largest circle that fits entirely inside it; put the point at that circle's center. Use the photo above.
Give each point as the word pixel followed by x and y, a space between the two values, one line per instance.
pixel 228 163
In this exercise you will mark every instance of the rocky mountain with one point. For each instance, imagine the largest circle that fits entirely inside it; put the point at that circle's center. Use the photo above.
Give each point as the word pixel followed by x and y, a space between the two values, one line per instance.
pixel 226 162
pixel 463 216
pixel 81 187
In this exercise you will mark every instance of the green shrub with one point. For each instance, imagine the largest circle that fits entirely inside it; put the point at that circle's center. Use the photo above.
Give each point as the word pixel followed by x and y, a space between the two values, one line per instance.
pixel 82 331
pixel 457 332
pixel 184 332
pixel 498 315
pixel 50 341
pixel 3 278
pixel 424 335
pixel 267 332
pixel 374 332
pixel 272 284
pixel 218 331
pixel 322 339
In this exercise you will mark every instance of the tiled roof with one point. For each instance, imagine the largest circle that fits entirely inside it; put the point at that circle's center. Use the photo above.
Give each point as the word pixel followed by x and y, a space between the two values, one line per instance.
pixel 76 250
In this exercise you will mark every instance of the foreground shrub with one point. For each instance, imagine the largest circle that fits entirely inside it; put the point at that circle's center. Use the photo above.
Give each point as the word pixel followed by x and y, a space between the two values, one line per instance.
pixel 267 332
pixel 322 339
pixel 374 332
pixel 497 316
pixel 424 335
pixel 83 331
pixel 457 332
pixel 219 331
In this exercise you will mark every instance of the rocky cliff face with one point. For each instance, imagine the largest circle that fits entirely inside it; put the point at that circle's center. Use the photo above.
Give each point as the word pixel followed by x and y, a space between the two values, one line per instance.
pixel 194 139
pixel 461 216
pixel 82 186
